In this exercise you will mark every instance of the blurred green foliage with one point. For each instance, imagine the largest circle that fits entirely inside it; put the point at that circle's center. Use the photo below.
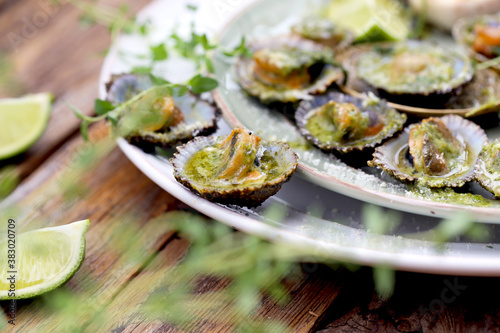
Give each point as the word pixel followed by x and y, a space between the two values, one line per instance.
pixel 10 86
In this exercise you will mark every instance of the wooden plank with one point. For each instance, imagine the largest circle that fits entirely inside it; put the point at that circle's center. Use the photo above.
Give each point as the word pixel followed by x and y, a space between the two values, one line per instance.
pixel 121 202
pixel 310 297
pixel 123 314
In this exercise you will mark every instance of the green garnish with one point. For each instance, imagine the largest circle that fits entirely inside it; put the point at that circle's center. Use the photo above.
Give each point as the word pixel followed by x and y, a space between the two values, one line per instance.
pixel 241 50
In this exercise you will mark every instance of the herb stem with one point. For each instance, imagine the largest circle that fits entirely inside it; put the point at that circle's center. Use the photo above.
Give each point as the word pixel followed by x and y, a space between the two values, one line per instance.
pixel 488 64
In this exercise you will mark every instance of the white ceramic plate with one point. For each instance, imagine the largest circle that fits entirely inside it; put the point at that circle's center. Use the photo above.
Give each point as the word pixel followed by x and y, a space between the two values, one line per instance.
pixel 335 233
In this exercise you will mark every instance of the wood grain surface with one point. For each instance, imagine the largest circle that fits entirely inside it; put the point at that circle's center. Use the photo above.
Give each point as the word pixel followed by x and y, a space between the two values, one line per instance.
pixel 61 57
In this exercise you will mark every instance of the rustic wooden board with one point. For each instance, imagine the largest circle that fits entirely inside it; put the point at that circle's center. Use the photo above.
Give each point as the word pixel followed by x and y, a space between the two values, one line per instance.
pixel 310 298
pixel 122 204
pixel 117 276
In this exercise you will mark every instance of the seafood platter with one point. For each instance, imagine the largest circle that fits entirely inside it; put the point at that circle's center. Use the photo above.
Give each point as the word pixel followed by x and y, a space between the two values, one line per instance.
pixel 403 124
pixel 415 121
pixel 308 125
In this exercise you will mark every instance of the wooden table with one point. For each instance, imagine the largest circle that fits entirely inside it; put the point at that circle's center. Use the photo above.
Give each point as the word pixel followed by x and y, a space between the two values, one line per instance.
pixel 57 55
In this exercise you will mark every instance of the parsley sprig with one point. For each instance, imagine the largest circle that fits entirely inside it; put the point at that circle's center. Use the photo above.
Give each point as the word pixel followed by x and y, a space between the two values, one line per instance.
pixel 196 48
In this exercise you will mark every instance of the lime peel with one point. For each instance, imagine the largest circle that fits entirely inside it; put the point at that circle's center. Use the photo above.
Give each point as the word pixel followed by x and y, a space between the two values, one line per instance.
pixel 22 121
pixel 371 20
pixel 44 260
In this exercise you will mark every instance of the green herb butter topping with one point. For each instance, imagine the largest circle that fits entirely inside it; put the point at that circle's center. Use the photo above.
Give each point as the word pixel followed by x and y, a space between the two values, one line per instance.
pixel 284 62
pixel 336 122
pixel 238 161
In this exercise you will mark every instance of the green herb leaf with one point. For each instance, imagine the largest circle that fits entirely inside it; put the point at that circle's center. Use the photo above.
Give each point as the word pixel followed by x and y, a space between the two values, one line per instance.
pixel 158 81
pixel 192 7
pixel 130 27
pixel 379 221
pixel 489 63
pixel 141 70
pixel 124 9
pixel 102 107
pixel 159 52
pixel 195 49
pixel 181 91
pixel 384 279
pixel 86 120
pixel 86 21
pixel 113 118
pixel 210 65
pixel 144 29
pixel 79 114
pixel 203 40
pixel 9 179
pixel 200 84
pixel 453 227
pixel 240 50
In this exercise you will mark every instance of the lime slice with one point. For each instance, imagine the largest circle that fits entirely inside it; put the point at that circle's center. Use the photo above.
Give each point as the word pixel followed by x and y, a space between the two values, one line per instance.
pixel 22 122
pixel 371 20
pixel 42 260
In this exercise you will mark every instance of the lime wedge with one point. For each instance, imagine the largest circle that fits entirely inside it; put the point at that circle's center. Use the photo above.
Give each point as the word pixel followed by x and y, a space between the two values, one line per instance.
pixel 42 260
pixel 22 122
pixel 371 20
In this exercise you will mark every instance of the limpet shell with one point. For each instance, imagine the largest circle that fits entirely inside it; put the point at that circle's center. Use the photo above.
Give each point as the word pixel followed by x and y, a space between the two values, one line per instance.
pixel 200 116
pixel 392 156
pixel 464 34
pixel 378 113
pixel 427 83
pixel 238 194
pixel 326 74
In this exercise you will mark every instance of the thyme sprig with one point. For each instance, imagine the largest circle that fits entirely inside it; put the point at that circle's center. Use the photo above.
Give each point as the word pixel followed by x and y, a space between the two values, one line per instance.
pixel 198 84
pixel 117 20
